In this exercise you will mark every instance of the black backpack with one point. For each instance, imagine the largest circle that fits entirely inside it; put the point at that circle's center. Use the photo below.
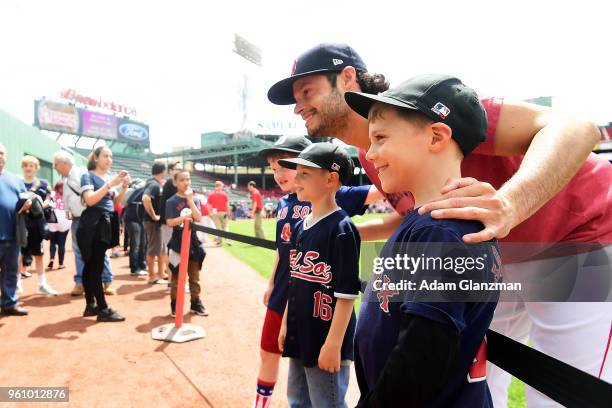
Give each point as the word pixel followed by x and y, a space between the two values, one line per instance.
pixel 134 203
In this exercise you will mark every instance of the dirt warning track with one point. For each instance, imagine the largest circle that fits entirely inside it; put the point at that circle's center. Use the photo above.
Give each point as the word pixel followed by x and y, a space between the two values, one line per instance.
pixel 119 365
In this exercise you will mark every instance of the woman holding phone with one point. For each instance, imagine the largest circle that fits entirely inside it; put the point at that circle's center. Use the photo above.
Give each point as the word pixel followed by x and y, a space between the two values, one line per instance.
pixel 99 228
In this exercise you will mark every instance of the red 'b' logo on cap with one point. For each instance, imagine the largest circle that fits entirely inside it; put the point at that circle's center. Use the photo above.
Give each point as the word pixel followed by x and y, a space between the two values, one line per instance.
pixel 294 66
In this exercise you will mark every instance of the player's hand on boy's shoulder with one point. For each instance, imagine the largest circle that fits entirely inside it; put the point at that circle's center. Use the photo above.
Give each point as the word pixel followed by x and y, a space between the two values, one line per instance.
pixel 329 358
pixel 470 199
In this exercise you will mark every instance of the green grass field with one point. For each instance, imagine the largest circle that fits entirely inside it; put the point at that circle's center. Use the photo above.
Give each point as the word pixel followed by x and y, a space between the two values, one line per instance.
pixel 262 261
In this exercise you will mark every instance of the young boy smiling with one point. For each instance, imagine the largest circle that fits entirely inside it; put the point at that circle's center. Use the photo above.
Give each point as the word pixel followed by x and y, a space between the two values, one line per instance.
pixel 318 322
pixel 410 349
pixel 180 207
pixel 290 211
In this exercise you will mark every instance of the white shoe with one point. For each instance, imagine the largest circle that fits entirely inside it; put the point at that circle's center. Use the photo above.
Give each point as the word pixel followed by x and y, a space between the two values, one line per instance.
pixel 19 288
pixel 47 290
pixel 141 272
pixel 187 289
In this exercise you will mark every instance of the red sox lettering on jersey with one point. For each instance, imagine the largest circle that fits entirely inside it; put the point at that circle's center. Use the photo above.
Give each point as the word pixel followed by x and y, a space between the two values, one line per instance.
pixel 303 267
pixel 299 212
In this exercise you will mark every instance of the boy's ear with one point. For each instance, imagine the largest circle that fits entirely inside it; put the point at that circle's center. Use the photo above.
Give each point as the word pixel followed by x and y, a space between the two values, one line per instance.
pixel 333 178
pixel 441 135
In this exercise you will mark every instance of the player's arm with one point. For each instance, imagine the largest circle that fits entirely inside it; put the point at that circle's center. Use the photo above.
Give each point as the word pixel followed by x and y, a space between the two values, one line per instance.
pixel 329 356
pixel 555 146
pixel 373 195
pixel 379 228
pixel 268 292
pixel 419 365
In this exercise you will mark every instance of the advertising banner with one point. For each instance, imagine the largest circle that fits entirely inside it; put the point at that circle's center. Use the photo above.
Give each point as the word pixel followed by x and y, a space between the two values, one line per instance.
pixel 56 116
pixel 60 117
pixel 132 132
pixel 99 125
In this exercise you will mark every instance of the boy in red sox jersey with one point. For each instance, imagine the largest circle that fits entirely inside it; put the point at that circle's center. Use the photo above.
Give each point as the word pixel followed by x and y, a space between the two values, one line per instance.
pixel 419 350
pixel 319 322
pixel 290 211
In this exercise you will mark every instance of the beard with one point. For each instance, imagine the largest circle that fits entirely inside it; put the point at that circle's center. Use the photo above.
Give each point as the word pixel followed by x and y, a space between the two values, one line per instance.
pixel 333 117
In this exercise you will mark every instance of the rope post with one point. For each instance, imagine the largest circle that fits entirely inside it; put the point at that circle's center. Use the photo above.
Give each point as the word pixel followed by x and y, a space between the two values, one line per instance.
pixel 178 332
pixel 183 265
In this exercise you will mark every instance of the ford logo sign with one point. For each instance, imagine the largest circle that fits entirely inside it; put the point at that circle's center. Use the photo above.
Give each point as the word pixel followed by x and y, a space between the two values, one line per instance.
pixel 134 132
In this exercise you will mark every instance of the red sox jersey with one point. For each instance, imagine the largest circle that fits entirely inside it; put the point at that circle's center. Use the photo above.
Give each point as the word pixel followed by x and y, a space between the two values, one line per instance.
pixel 324 266
pixel 379 317
pixel 289 212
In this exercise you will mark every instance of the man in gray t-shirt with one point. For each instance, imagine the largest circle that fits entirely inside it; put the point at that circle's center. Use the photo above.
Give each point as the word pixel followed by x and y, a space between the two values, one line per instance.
pixel 151 201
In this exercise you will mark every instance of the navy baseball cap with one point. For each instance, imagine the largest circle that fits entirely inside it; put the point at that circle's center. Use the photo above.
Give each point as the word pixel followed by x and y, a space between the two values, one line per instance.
pixel 291 144
pixel 326 57
pixel 327 156
pixel 442 98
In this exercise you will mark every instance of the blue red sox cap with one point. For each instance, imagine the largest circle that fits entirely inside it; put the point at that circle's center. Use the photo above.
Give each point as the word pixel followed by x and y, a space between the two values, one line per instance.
pixel 327 156
pixel 291 144
pixel 326 57
pixel 442 98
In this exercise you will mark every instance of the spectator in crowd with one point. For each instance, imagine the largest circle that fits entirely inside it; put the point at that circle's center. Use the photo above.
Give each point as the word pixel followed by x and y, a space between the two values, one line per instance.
pixel 116 251
pixel 58 230
pixel 99 229
pixel 12 202
pixel 218 201
pixel 151 201
pixel 36 226
pixel 269 209
pixel 206 221
pixel 168 190
pixel 133 214
pixel 180 207
pixel 65 167
pixel 126 233
pixel 256 208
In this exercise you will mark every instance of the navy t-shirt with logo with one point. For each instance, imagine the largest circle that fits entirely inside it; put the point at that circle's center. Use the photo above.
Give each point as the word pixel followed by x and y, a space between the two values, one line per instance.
pixel 380 314
pixel 40 187
pixel 289 211
pixel 92 182
pixel 174 206
pixel 324 266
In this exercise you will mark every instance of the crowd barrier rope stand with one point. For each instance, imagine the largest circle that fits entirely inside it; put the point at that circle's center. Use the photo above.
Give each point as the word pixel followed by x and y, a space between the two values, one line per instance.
pixel 180 332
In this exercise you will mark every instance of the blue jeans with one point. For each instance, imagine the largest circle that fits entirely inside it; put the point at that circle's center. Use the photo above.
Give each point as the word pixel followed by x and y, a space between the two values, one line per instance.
pixel 9 256
pixel 138 246
pixel 313 387
pixel 107 274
